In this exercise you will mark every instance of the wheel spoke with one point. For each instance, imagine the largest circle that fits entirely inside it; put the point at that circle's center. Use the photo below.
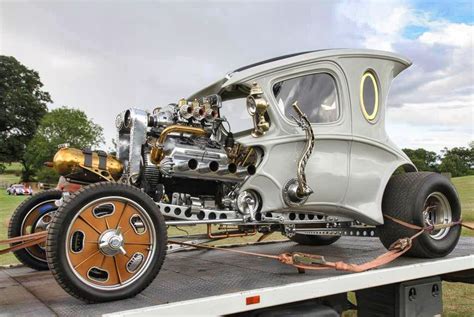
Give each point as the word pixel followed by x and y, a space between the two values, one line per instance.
pixel 109 266
pixel 137 243
pixel 131 236
pixel 118 271
pixel 86 259
pixel 90 225
pixel 121 215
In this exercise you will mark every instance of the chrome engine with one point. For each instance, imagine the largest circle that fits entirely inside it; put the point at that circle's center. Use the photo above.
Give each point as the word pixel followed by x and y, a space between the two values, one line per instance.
pixel 181 154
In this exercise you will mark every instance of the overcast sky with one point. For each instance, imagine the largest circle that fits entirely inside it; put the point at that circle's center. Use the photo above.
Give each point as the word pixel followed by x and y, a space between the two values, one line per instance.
pixel 103 56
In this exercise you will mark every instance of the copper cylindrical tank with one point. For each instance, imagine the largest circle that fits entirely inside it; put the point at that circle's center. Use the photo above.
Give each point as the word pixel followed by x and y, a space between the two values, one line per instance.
pixel 68 160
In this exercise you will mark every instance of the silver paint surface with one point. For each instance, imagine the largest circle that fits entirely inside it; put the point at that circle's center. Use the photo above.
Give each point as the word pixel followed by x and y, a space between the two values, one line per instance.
pixel 353 159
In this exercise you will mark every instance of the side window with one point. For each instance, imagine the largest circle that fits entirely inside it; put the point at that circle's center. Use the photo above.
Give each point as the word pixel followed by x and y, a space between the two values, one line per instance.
pixel 316 95
pixel 369 96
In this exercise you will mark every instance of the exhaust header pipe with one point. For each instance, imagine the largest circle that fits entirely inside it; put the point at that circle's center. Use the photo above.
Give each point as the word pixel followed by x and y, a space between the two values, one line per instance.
pixel 192 164
pixel 212 170
pixel 213 166
pixel 234 170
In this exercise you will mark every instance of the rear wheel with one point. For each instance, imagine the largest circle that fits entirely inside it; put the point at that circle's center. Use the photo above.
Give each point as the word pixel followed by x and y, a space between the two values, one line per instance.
pixel 422 199
pixel 34 215
pixel 314 240
pixel 107 242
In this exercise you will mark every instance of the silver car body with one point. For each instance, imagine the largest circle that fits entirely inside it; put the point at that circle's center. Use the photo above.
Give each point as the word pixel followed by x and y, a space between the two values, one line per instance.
pixel 353 158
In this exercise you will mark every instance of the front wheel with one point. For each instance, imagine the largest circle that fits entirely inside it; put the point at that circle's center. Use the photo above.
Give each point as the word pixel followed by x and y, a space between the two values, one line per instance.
pixel 106 242
pixel 422 199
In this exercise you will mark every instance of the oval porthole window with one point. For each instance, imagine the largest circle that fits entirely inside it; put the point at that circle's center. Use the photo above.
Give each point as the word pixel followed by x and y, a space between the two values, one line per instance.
pixel 369 96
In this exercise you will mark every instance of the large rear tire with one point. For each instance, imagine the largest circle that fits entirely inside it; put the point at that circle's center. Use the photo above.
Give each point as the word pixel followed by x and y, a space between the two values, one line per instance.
pixel 107 242
pixel 33 215
pixel 421 199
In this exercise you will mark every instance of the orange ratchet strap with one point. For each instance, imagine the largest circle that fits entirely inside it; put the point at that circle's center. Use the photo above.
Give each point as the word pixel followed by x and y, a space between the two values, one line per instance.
pixel 26 241
pixel 304 261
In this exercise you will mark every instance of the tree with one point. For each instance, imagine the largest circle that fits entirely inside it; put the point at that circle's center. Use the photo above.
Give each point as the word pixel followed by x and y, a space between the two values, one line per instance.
pixel 459 161
pixel 424 160
pixel 59 126
pixel 22 105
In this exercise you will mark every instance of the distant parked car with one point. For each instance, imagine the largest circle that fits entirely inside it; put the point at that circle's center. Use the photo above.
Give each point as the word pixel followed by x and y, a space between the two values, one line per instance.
pixel 19 189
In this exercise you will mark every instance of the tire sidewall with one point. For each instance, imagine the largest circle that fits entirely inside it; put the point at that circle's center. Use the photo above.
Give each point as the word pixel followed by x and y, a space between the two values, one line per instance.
pixel 56 243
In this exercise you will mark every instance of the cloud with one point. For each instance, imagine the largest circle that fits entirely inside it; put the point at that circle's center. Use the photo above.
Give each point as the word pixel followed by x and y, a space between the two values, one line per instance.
pixel 103 57
pixel 451 34
pixel 437 92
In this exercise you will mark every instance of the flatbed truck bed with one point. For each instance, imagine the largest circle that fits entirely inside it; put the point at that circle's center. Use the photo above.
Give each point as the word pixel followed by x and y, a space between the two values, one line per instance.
pixel 212 282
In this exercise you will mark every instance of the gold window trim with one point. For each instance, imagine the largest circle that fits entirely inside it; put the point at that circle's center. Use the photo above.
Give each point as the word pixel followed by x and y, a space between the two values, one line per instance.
pixel 369 117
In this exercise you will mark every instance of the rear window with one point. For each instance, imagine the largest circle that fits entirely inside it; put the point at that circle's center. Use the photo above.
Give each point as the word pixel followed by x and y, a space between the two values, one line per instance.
pixel 316 95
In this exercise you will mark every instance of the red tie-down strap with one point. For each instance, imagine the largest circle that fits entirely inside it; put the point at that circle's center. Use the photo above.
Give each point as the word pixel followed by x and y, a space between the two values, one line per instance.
pixel 22 242
pixel 305 261
pixel 302 261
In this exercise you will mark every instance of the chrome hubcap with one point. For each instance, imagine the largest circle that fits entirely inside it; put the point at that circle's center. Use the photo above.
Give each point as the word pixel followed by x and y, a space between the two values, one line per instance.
pixel 111 242
pixel 437 211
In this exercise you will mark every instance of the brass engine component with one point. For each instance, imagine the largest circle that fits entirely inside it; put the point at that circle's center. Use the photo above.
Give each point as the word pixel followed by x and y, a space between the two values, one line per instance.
pixel 71 161
pixel 156 153
pixel 257 107
pixel 242 156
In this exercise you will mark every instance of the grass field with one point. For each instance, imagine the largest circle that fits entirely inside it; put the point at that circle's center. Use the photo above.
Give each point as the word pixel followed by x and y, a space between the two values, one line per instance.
pixel 458 298
pixel 11 175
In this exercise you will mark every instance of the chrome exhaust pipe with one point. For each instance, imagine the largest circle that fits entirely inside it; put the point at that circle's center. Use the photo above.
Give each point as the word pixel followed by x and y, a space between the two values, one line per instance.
pixel 241 171
pixel 184 166
pixel 213 166
pixel 245 171
pixel 223 171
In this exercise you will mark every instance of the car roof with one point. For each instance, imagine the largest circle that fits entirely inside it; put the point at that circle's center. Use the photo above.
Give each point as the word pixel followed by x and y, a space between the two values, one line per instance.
pixel 290 60
pixel 254 70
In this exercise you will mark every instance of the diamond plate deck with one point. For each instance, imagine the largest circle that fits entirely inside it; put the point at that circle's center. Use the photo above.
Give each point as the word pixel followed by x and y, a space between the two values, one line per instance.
pixel 195 274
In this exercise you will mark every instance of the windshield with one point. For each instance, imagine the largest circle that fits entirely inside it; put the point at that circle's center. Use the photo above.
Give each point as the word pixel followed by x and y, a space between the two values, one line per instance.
pixel 235 111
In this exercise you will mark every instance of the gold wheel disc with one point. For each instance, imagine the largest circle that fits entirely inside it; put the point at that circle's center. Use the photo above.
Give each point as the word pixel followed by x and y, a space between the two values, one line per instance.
pixel 110 243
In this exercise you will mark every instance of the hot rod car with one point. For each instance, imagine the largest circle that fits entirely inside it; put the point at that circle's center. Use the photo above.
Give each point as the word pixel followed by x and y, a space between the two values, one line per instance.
pixel 296 144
